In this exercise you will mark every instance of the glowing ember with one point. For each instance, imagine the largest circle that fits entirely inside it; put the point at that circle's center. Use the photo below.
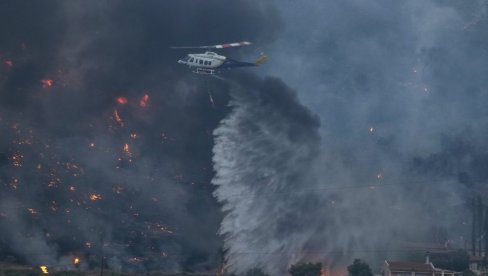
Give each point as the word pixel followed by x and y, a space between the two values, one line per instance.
pixel 76 261
pixel 44 269
pixel 47 83
pixel 127 150
pixel 117 118
pixel 16 159
pixel 32 211
pixel 144 100
pixel 95 197
pixel 122 100
pixel 72 188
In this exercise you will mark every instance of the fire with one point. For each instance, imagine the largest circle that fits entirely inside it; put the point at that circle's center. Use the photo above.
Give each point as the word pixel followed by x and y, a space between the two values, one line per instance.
pixel 76 261
pixel 44 269
pixel 32 211
pixel 47 83
pixel 144 100
pixel 117 118
pixel 95 197
pixel 122 100
pixel 127 150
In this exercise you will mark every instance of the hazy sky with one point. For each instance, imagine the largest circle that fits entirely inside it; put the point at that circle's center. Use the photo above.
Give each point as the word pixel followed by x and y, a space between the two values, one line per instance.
pixel 366 128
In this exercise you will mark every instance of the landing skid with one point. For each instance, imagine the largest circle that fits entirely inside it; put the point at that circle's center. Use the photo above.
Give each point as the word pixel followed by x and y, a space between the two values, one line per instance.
pixel 205 71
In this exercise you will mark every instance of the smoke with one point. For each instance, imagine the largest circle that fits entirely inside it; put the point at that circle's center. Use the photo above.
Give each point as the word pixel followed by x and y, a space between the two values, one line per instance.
pixel 105 145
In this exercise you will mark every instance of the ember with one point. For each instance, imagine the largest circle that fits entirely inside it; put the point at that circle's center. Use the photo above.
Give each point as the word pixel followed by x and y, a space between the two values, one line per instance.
pixel 95 197
pixel 117 118
pixel 122 100
pixel 47 83
pixel 44 269
pixel 144 100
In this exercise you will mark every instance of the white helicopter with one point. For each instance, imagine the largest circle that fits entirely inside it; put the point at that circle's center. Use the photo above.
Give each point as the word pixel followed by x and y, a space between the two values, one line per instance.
pixel 212 63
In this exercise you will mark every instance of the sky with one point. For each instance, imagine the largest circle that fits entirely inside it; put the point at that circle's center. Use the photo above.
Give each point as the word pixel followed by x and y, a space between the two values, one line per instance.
pixel 365 129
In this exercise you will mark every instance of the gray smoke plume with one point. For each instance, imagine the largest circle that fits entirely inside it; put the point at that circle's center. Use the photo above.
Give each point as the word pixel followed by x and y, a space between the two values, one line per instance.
pixel 400 89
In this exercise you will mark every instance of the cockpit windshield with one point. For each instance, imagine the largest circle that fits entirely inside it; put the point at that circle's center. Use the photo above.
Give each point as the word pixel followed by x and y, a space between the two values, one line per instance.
pixel 186 59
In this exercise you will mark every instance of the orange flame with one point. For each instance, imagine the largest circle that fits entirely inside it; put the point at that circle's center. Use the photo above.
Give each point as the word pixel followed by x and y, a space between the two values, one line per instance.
pixel 144 100
pixel 76 261
pixel 117 118
pixel 95 197
pixel 127 150
pixel 47 83
pixel 122 100
pixel 44 269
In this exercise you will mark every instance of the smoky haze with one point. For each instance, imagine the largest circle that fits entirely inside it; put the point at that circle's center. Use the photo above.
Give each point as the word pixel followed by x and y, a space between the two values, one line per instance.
pixel 108 147
pixel 400 89
pixel 106 142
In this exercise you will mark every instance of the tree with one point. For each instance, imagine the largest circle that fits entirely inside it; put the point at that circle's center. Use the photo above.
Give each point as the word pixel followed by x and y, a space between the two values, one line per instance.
pixel 256 272
pixel 359 268
pixel 306 269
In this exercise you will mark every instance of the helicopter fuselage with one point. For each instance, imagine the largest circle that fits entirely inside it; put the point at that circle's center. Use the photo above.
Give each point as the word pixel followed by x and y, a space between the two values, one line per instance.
pixel 211 63
pixel 208 60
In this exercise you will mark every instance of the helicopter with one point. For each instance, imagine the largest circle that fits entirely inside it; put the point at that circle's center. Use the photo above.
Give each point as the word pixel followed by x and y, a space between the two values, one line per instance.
pixel 212 63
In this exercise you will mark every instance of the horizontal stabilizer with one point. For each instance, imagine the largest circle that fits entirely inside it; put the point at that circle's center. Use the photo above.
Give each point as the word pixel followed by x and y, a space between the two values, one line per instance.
pixel 261 60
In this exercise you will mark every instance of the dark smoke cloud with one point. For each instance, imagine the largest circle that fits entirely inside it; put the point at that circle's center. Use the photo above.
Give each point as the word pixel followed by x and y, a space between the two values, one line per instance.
pixel 62 144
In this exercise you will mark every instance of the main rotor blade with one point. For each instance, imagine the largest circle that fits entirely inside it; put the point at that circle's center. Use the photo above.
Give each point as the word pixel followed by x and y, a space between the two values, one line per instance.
pixel 219 46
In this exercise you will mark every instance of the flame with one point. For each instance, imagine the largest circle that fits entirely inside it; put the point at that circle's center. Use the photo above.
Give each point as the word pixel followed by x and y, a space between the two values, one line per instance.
pixel 32 211
pixel 47 83
pixel 44 269
pixel 122 100
pixel 127 150
pixel 76 261
pixel 117 118
pixel 95 197
pixel 144 100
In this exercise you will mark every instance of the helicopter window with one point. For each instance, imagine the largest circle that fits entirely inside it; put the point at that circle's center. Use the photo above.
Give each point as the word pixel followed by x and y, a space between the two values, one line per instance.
pixel 191 59
pixel 200 61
